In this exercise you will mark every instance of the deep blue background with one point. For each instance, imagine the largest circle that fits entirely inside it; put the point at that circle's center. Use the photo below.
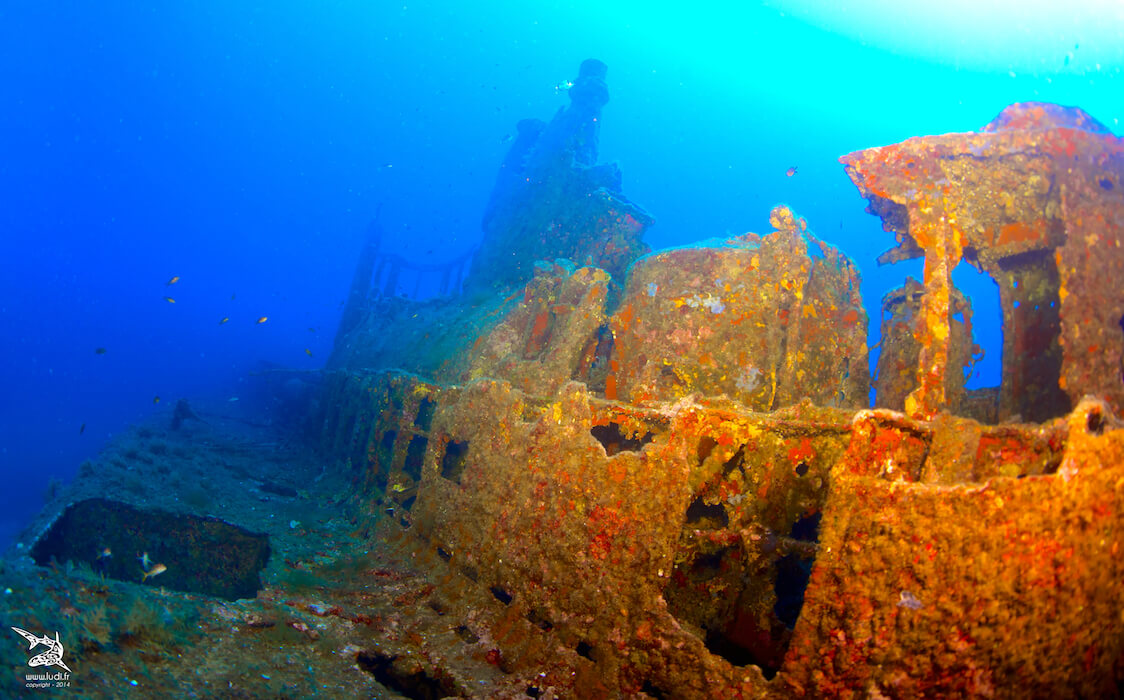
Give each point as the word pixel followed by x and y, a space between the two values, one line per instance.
pixel 244 148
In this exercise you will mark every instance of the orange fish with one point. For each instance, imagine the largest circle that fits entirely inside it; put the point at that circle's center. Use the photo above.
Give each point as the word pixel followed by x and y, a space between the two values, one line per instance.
pixel 791 171
pixel 154 571
pixel 172 281
pixel 308 352
pixel 263 319
pixel 170 300
pixel 155 399
pixel 224 320
pixel 105 553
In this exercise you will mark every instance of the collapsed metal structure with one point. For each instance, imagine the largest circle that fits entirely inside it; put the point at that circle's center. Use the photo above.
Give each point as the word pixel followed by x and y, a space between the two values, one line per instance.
pixel 672 484
pixel 1034 200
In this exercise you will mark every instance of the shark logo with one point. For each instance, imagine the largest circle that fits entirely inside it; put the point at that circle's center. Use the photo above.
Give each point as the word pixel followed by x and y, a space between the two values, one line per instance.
pixel 51 657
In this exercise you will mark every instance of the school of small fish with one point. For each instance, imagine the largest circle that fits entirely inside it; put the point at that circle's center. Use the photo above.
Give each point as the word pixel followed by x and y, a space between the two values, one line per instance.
pixel 174 279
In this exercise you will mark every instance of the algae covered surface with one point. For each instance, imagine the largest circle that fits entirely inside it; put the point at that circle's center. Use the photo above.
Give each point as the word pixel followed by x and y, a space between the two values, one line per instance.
pixel 596 470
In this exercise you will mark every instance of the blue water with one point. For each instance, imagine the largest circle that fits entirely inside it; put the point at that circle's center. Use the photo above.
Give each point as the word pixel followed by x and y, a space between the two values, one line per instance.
pixel 244 148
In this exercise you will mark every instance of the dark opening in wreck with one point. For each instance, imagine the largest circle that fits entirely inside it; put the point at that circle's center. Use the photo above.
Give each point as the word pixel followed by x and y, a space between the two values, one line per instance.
pixel 153 547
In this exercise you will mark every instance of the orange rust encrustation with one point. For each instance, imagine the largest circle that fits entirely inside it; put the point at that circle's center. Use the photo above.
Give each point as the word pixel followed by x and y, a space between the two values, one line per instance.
pixel 669 479
pixel 1034 200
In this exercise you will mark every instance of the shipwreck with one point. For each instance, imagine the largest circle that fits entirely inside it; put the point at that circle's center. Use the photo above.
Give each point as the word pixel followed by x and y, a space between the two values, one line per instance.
pixel 586 469
pixel 665 467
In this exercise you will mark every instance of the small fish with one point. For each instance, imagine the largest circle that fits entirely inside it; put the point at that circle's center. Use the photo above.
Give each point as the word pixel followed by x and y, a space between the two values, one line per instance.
pixel 311 330
pixel 105 553
pixel 172 281
pixel 170 300
pixel 908 600
pixel 99 351
pixel 144 560
pixel 154 571
pixel 82 429
pixel 398 488
pixel 224 320
pixel 232 399
pixel 263 319
pixel 791 171
pixel 308 352
pixel 232 296
pixel 506 138
pixel 155 399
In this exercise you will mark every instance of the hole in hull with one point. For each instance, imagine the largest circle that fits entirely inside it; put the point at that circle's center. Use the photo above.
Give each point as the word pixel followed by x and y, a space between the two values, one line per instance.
pixel 415 456
pixel 424 419
pixel 699 511
pixel 452 463
pixel 406 676
pixel 501 595
pixel 743 599
pixel 613 439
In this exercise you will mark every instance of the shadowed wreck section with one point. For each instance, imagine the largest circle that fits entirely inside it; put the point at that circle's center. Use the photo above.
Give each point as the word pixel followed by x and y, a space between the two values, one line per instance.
pixel 180 551
pixel 668 481
pixel 552 199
